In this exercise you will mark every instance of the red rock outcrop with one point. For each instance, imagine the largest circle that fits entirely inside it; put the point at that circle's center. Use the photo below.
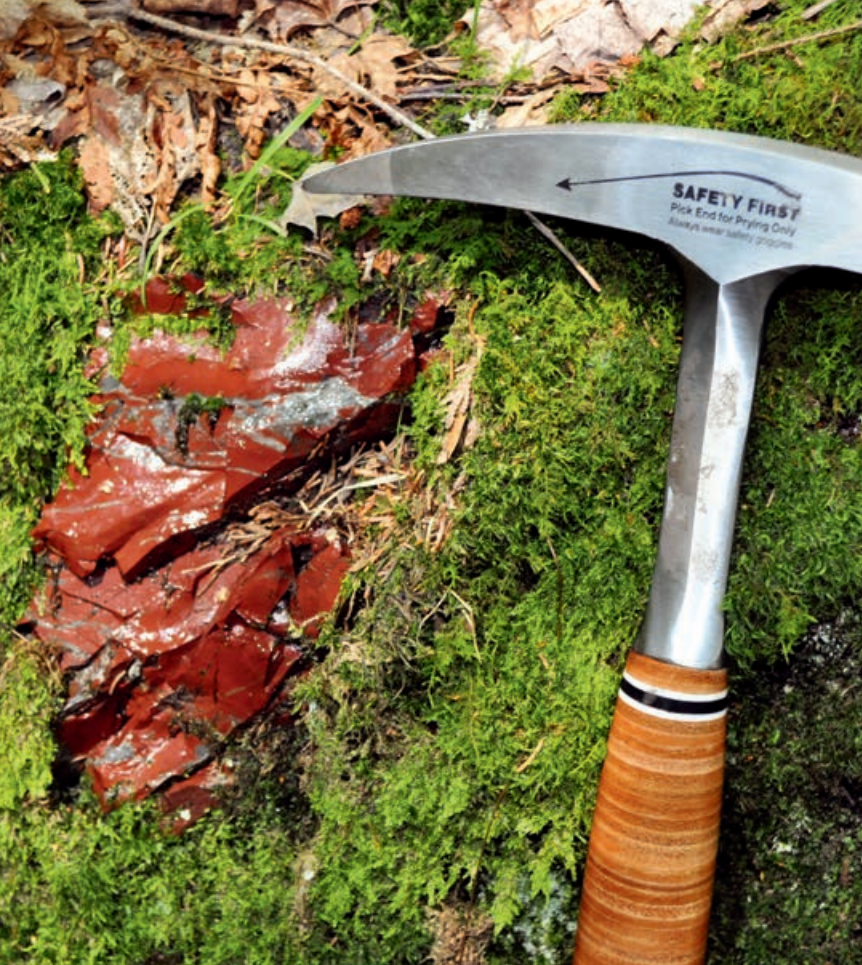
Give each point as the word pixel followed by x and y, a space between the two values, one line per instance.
pixel 171 642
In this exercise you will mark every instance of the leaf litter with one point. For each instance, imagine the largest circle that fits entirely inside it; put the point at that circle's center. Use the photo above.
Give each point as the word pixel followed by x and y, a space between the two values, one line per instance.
pixel 146 110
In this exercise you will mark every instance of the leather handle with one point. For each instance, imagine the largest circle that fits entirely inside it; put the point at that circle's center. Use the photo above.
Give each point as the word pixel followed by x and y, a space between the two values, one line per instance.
pixel 651 861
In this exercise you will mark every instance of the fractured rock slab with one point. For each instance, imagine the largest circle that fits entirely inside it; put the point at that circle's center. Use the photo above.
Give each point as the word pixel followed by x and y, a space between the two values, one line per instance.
pixel 172 637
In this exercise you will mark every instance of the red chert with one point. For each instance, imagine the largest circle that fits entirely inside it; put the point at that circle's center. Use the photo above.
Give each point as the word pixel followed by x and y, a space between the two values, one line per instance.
pixel 157 473
pixel 172 637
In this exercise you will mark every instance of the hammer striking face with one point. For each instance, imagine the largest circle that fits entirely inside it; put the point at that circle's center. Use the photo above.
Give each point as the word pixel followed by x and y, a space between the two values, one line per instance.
pixel 742 213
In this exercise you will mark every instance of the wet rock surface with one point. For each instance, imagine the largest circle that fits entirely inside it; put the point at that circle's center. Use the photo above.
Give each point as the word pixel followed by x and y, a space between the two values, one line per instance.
pixel 792 816
pixel 173 634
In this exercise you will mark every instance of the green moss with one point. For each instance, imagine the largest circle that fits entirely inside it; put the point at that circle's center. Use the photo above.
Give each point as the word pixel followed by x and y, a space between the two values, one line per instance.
pixel 425 22
pixel 206 320
pixel 196 407
pixel 30 690
pixel 80 886
pixel 241 246
pixel 49 262
pixel 801 509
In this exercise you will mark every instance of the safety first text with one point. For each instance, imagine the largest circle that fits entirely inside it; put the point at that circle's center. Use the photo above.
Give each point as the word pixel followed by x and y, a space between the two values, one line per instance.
pixel 698 207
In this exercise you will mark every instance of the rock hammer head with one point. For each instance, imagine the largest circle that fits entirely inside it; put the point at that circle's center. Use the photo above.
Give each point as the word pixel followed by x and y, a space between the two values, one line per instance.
pixel 731 204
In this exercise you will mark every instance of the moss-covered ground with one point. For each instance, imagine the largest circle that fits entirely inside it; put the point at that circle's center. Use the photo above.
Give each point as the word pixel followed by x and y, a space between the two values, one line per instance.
pixel 437 797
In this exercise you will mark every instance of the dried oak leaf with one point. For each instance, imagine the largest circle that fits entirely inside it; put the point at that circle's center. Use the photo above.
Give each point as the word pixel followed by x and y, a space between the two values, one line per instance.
pixel 549 14
pixel 372 66
pixel 10 107
pixel 649 18
pixel 115 155
pixel 12 14
pixel 341 125
pixel 175 130
pixel 289 16
pixel 534 110
pixel 385 260
pixel 94 110
pixel 60 13
pixel 598 33
pixel 18 144
pixel 96 167
pixel 205 146
pixel 255 102
pixel 350 218
pixel 509 44
pixel 304 209
pixel 519 16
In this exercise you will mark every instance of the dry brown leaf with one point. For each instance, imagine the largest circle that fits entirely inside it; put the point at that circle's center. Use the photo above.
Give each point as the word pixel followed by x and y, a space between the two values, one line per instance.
pixel 12 14
pixel 205 145
pixel 355 118
pixel 104 106
pixel 116 158
pixel 175 131
pixel 333 9
pixel 548 14
pixel 649 18
pixel 261 9
pixel 95 165
pixel 305 209
pixel 41 35
pixel 350 218
pixel 93 110
pixel 599 33
pixel 568 35
pixel 592 80
pixel 139 148
pixel 37 96
pixel 532 111
pixel 458 404
pixel 255 102
pixel 60 13
pixel 385 260
pixel 10 106
pixel 725 14
pixel 494 36
pixel 519 17
pixel 18 144
pixel 372 66
pixel 289 16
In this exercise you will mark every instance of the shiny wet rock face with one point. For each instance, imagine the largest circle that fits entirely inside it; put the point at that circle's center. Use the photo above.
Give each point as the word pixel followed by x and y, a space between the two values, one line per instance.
pixel 173 631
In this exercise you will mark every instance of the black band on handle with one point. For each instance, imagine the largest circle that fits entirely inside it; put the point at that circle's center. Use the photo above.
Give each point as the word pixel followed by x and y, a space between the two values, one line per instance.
pixel 673 705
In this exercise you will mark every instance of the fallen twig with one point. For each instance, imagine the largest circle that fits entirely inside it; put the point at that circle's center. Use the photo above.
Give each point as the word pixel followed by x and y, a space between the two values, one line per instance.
pixel 546 232
pixel 798 41
pixel 811 12
pixel 289 50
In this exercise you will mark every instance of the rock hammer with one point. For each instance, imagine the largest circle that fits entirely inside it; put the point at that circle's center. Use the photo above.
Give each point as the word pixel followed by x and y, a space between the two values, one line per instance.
pixel 742 214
